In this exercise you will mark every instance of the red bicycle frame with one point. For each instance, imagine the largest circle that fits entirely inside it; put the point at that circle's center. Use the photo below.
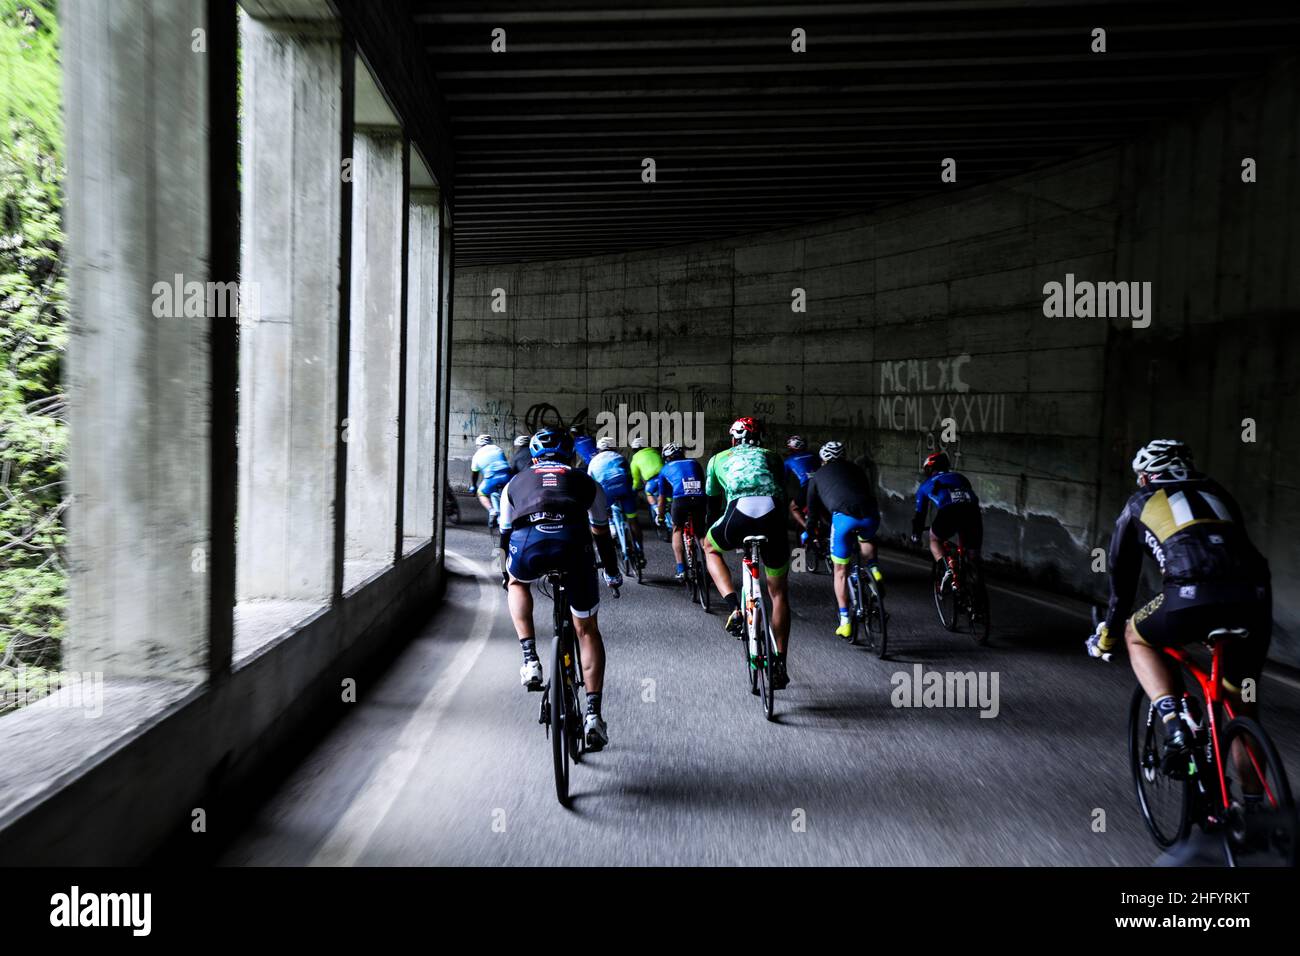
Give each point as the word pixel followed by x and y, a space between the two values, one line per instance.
pixel 1212 688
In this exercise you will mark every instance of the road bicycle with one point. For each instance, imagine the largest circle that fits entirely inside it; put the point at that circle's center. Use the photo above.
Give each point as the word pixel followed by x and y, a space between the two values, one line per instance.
pixel 867 609
pixel 494 515
pixel 962 594
pixel 815 553
pixel 563 695
pixel 1245 799
pixel 760 645
pixel 630 557
pixel 698 585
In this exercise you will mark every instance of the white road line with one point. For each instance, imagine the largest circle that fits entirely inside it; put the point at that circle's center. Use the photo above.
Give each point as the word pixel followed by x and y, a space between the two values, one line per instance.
pixel 352 833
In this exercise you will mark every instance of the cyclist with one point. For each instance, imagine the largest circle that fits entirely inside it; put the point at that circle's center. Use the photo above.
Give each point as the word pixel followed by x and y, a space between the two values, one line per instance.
pixel 488 473
pixel 842 491
pixel 646 465
pixel 748 477
pixel 611 470
pixel 682 479
pixel 1212 577
pixel 550 515
pixel 957 512
pixel 800 464
pixel 584 446
pixel 521 458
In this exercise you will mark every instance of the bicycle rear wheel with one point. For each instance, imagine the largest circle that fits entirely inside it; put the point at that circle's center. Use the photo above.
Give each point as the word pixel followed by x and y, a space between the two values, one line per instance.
pixel 1261 832
pixel 1165 802
pixel 977 610
pixel 877 619
pixel 857 619
pixel 945 599
pixel 561 722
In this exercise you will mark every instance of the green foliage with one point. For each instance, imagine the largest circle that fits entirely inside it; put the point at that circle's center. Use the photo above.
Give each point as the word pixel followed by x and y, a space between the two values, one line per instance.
pixel 33 338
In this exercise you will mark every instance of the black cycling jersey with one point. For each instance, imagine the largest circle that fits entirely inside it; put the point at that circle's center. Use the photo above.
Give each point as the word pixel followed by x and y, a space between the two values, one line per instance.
pixel 1195 532
pixel 521 460
pixel 843 487
pixel 552 492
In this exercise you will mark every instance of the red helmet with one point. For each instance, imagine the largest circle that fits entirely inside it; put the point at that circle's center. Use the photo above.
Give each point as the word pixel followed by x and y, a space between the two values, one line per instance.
pixel 745 430
pixel 937 462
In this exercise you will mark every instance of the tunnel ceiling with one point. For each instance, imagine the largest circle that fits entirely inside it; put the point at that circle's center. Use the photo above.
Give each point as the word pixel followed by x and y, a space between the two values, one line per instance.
pixel 550 135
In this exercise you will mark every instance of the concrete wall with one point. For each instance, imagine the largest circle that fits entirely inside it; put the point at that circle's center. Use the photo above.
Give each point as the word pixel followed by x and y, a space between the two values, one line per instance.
pixel 934 309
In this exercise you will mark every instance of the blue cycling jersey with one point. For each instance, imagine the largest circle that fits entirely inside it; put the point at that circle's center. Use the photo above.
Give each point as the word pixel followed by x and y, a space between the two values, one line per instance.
pixel 944 489
pixel 684 478
pixel 801 465
pixel 490 461
pixel 612 471
pixel 585 448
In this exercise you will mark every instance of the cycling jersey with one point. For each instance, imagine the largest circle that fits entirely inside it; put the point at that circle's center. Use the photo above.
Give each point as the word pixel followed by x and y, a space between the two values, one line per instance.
pixel 521 460
pixel 841 487
pixel 1195 532
pixel 800 466
pixel 684 478
pixel 584 446
pixel 611 470
pixel 490 464
pixel 944 489
pixel 549 493
pixel 744 471
pixel 646 463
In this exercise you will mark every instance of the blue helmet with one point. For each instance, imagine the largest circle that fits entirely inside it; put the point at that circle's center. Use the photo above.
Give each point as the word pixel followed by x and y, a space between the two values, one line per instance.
pixel 550 444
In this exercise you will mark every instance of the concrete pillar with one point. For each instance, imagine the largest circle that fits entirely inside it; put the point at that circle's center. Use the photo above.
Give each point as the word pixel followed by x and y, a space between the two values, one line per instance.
pixel 289 357
pixel 138 216
pixel 378 208
pixel 422 299
pixel 442 413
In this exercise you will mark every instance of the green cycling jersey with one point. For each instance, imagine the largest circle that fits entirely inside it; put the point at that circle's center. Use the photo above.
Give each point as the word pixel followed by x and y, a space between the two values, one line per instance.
pixel 744 471
pixel 645 464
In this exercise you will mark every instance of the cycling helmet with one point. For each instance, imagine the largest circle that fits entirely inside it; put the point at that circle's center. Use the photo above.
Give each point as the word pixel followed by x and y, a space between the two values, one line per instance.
pixel 606 443
pixel 638 443
pixel 521 441
pixel 672 451
pixel 483 440
pixel 832 450
pixel 745 431
pixel 550 444
pixel 937 462
pixel 795 443
pixel 578 429
pixel 1164 456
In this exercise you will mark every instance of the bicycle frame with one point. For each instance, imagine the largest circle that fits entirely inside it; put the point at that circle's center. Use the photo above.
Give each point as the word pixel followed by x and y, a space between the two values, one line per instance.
pixel 1211 685
pixel 621 536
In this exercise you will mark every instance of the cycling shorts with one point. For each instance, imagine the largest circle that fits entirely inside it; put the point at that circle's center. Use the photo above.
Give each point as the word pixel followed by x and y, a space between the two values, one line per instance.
pixel 962 519
pixel 1184 613
pixel 846 531
pixel 491 483
pixel 625 500
pixel 696 508
pixel 537 550
pixel 655 487
pixel 750 515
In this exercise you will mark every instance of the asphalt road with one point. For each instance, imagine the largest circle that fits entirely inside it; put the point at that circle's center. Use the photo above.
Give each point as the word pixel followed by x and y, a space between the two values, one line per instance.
pixel 443 762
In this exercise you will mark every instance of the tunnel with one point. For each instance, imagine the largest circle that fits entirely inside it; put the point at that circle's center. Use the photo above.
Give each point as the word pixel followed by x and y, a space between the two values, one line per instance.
pixel 311 268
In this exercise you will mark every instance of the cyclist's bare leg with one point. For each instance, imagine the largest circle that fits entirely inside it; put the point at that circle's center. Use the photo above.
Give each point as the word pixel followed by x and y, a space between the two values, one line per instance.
pixel 718 569
pixel 593 652
pixel 520 598
pixel 937 548
pixel 868 551
pixel 1150 666
pixel 797 513
pixel 679 549
pixel 486 502
pixel 778 589
pixel 840 573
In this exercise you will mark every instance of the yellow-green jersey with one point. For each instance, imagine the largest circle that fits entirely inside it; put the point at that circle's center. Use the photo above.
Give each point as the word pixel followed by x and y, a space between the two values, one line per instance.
pixel 745 471
pixel 645 464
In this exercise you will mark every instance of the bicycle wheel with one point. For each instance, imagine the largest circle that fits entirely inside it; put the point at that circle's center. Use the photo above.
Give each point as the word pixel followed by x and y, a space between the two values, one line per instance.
pixel 977 611
pixel 945 599
pixel 876 613
pixel 1165 803
pixel 769 663
pixel 560 723
pixel 855 606
pixel 1260 832
pixel 702 583
pixel 573 681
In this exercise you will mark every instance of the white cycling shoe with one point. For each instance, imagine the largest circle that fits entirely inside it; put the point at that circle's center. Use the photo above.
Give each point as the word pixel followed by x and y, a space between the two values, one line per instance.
pixel 597 734
pixel 530 675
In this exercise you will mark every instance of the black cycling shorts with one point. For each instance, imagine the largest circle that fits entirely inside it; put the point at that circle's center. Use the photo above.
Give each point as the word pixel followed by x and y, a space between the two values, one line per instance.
pixel 962 519
pixel 731 530
pixel 538 550
pixel 696 508
pixel 1182 614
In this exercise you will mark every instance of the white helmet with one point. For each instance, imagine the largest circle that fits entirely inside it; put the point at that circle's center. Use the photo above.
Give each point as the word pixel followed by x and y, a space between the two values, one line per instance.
pixel 638 442
pixel 832 450
pixel 521 441
pixel 1164 456
pixel 483 440
pixel 606 443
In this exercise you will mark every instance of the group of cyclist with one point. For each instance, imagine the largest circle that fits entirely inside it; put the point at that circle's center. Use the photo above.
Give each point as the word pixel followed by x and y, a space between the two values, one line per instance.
pixel 552 501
